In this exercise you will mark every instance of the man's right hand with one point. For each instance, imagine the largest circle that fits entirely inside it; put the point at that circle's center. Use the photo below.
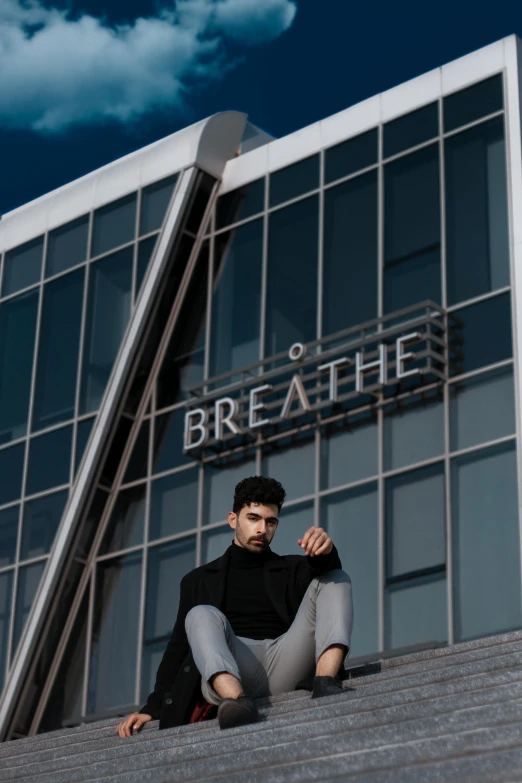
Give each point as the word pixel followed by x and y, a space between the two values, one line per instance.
pixel 133 722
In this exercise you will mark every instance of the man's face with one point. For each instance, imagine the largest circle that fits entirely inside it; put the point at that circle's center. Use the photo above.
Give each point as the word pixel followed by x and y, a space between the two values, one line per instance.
pixel 255 526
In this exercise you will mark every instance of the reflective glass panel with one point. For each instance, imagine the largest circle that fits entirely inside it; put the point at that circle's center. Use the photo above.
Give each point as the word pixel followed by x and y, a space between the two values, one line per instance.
pixel 411 281
pixel 294 468
pixel 486 542
pixel 482 408
pixel 476 212
pixel 485 333
pixel 352 521
pixel 472 103
pixel 11 470
pixel 416 613
pixel 22 266
pixel 138 460
pixel 351 156
pixel 28 581
pixel 349 455
pixel 294 180
pixel 114 225
pixel 236 303
pixel 49 460
pixel 293 524
pixel 350 253
pixel 168 441
pixel 67 246
pixel 402 444
pixel 17 332
pixel 415 521
pixel 174 503
pixel 411 129
pixel 125 526
pixel 241 203
pixel 215 542
pixel 219 486
pixel 112 670
pixel 108 309
pixel 291 310
pixel 145 250
pixel 6 588
pixel 82 436
pixel 58 350
pixel 8 534
pixel 154 202
pixel 40 523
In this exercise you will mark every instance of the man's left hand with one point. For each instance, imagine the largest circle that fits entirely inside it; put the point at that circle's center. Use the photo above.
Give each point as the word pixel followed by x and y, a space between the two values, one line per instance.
pixel 316 541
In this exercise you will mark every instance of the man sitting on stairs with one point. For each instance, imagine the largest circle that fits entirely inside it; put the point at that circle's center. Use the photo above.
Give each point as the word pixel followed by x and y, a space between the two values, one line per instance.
pixel 253 623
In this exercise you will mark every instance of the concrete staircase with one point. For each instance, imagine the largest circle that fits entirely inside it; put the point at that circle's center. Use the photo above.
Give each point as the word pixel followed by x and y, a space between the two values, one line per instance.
pixel 454 713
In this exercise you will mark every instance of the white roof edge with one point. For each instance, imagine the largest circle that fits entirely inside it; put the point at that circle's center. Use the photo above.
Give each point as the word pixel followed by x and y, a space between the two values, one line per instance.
pixel 367 114
pixel 208 144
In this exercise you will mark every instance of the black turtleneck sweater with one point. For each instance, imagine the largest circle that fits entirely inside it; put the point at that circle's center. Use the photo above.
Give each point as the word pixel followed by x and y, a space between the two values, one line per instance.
pixel 247 605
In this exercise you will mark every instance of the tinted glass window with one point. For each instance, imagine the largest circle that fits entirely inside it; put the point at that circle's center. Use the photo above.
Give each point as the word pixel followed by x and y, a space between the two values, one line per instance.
pixel 125 527
pixel 58 350
pixel 82 436
pixel 236 304
pixel 349 455
pixel 293 524
pixel 402 444
pixel 168 442
pixel 174 503
pixel 67 246
pixel 215 542
pixel 292 276
pixel 416 612
pixel 472 103
pixel 486 541
pixel 8 534
pixel 294 180
pixel 350 253
pixel 22 266
pixel 352 520
pixel 112 671
pixel 108 311
pixel 241 203
pixel 11 469
pixel 351 156
pixel 114 225
pixel 219 489
pixel 49 460
pixel 41 519
pixel 482 409
pixel 17 332
pixel 412 280
pixel 294 468
pixel 6 587
pixel 145 251
pixel 137 465
pixel 476 212
pixel 154 202
pixel 410 130
pixel 28 581
pixel 485 333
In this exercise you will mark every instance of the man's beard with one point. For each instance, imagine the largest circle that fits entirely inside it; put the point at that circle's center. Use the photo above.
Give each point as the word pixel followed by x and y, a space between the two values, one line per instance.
pixel 249 543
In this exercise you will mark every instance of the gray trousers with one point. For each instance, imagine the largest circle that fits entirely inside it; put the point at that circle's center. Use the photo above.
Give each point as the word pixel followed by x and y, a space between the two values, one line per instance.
pixel 271 666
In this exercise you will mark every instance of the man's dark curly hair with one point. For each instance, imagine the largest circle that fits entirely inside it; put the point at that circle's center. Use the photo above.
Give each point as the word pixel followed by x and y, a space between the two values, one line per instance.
pixel 258 489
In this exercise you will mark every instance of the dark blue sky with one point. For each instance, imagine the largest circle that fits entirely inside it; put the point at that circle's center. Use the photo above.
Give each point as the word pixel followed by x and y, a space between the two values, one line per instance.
pixel 335 54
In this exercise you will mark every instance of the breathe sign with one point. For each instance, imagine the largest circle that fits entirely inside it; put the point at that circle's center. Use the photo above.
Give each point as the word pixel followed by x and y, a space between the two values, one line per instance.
pixel 317 382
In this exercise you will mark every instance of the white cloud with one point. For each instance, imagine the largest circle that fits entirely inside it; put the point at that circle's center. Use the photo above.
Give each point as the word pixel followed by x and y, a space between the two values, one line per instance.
pixel 57 71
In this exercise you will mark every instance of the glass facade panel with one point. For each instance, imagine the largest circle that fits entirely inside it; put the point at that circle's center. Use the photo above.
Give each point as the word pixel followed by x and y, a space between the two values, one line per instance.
pixel 485 331
pixel 145 251
pixel 6 589
pixel 482 408
pixel 114 225
pixel 67 246
pixel 293 524
pixel 477 238
pixel 350 253
pixel 17 334
pixel 168 440
pixel 236 303
pixel 11 471
pixel 22 266
pixel 351 156
pixel 411 129
pixel 291 311
pixel 411 281
pixel 174 503
pixel 349 455
pixel 82 436
pixel 49 460
pixel 58 351
pixel 154 202
pixel 112 668
pixel 486 547
pixel 294 180
pixel 352 520
pixel 241 203
pixel 219 485
pixel 108 310
pixel 138 460
pixel 40 522
pixel 293 468
pixel 215 542
pixel 28 580
pixel 8 534
pixel 417 613
pixel 415 521
pixel 472 103
pixel 125 527
pixel 402 446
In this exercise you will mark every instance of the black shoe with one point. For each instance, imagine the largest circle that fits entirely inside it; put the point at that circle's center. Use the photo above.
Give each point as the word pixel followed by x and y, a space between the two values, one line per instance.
pixel 237 712
pixel 326 686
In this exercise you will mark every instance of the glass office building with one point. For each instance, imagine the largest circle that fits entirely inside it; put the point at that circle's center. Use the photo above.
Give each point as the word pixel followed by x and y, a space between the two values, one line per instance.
pixel 338 309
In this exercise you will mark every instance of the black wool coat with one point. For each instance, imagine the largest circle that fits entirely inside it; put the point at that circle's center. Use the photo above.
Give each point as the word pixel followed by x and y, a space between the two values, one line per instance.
pixel 178 681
